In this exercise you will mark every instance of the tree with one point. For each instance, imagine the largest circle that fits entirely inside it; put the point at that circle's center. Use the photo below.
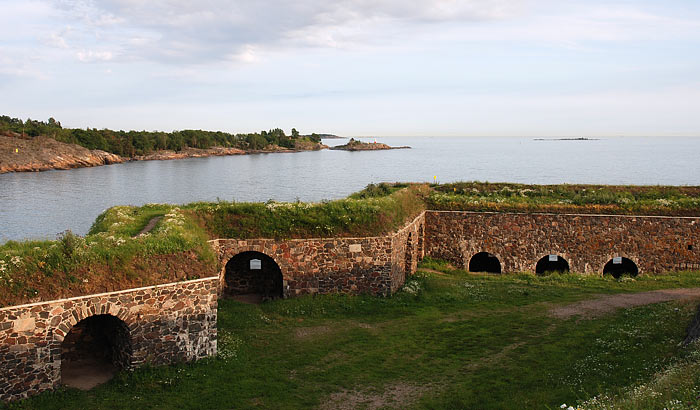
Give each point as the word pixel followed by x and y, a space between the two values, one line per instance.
pixel 295 133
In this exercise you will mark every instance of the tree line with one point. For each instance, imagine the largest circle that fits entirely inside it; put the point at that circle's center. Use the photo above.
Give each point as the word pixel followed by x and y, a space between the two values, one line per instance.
pixel 132 143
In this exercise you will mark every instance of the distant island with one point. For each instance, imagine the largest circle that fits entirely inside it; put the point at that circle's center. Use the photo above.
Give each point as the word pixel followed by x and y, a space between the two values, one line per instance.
pixel 356 145
pixel 567 139
pixel 38 146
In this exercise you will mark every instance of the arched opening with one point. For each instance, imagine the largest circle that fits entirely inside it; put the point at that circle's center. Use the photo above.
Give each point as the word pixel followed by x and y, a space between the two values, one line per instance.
pixel 94 350
pixel 484 262
pixel 253 276
pixel 551 264
pixel 421 243
pixel 619 266
pixel 409 254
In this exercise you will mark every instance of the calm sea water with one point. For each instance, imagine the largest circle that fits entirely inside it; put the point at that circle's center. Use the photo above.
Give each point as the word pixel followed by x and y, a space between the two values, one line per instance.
pixel 40 205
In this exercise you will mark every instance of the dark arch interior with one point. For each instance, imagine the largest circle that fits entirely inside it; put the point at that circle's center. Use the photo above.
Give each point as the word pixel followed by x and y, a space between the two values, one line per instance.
pixel 547 264
pixel 484 262
pixel 253 273
pixel 94 350
pixel 624 267
pixel 409 253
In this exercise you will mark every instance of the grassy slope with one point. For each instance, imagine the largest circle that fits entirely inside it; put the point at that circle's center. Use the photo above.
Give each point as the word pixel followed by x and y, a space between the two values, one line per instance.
pixel 108 258
pixel 461 340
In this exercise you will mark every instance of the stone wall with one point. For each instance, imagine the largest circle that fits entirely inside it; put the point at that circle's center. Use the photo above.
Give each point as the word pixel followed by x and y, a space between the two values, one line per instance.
pixel 166 324
pixel 587 242
pixel 407 251
pixel 373 265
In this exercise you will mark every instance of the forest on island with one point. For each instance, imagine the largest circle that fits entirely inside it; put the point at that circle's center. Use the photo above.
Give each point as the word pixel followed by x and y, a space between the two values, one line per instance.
pixel 132 143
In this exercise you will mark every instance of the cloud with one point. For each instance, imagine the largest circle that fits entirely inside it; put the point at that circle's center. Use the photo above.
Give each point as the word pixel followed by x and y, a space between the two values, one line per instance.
pixel 182 31
pixel 92 55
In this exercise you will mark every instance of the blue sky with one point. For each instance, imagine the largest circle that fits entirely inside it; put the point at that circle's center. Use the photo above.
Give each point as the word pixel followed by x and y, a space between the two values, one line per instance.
pixel 356 67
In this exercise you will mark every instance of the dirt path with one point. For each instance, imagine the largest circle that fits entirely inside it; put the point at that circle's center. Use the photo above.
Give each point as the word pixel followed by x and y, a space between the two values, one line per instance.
pixel 150 225
pixel 609 303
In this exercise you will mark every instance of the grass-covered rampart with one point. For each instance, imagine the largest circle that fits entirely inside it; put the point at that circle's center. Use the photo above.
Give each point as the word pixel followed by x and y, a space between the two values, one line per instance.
pixel 111 258
pixel 566 198
pixel 372 212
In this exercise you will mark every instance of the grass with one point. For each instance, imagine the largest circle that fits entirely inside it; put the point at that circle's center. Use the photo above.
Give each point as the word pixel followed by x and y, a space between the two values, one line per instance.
pixel 42 270
pixel 606 199
pixel 374 211
pixel 451 340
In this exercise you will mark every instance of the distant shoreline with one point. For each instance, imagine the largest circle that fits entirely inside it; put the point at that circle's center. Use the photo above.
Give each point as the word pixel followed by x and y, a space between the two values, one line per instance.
pixel 45 154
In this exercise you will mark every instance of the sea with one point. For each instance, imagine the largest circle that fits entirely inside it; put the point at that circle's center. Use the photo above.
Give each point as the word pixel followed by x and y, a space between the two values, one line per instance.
pixel 41 205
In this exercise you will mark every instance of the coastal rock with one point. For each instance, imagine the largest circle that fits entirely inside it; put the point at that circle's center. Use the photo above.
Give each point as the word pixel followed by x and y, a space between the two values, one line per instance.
pixel 189 153
pixel 355 145
pixel 42 153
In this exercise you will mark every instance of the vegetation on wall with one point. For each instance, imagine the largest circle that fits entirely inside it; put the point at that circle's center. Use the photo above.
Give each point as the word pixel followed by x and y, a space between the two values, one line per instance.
pixel 111 257
pixel 566 198
pixel 132 143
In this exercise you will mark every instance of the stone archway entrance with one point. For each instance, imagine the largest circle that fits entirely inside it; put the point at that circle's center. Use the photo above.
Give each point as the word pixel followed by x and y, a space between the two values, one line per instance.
pixel 551 263
pixel 253 277
pixel 484 262
pixel 409 255
pixel 94 350
pixel 619 266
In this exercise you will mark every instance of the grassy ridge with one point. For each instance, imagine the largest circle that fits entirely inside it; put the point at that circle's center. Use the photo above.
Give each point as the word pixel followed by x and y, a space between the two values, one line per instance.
pixel 367 213
pixel 450 340
pixel 604 199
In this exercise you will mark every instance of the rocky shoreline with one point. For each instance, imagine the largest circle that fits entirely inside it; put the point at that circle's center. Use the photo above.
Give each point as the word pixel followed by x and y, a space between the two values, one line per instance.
pixel 18 154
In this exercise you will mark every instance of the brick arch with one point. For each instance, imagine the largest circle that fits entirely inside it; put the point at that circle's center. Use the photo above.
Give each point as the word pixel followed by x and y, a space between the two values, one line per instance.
pixel 481 252
pixel 600 267
pixel 230 252
pixel 78 313
pixel 563 255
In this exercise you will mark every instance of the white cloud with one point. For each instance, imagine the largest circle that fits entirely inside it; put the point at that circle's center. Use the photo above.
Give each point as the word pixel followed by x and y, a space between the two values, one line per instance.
pixel 92 55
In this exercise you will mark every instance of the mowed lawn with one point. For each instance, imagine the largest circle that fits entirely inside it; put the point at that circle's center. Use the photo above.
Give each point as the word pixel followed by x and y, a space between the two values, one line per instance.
pixel 447 340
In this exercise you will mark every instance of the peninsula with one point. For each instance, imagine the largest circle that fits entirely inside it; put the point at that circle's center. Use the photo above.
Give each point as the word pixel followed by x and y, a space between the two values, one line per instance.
pixel 39 146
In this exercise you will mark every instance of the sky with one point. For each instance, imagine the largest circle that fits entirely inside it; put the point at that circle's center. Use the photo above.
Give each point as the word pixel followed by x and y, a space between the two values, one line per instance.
pixel 357 67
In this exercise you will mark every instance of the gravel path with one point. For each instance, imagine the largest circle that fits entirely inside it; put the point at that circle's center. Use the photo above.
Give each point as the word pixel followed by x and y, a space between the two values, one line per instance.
pixel 609 303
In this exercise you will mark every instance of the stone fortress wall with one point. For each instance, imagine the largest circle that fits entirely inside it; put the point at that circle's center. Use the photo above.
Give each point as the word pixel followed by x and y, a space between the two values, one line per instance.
pixel 177 322
pixel 587 242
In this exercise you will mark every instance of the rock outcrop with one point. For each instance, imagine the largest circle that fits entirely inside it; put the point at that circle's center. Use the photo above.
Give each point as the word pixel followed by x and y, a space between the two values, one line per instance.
pixel 355 145
pixel 41 153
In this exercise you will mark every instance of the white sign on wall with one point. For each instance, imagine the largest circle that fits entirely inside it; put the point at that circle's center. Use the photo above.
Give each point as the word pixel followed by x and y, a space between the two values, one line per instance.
pixel 355 247
pixel 617 260
pixel 553 258
pixel 255 264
